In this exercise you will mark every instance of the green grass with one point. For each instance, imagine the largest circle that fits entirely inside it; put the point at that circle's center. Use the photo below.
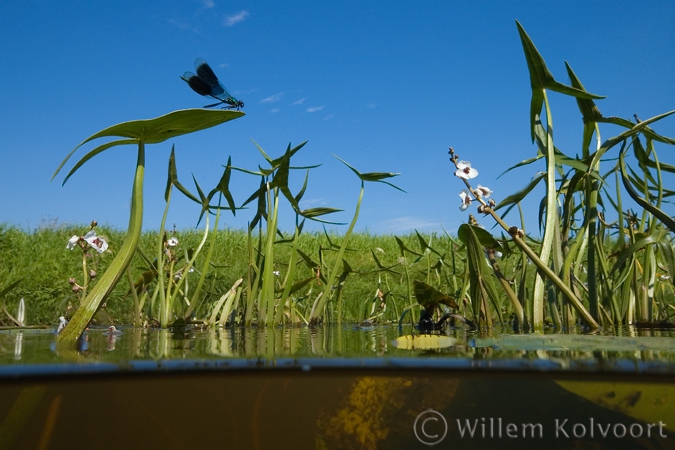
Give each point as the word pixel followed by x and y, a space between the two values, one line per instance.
pixel 41 259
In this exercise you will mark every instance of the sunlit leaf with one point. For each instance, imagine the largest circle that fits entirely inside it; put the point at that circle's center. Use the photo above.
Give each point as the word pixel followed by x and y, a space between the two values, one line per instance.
pixel 159 129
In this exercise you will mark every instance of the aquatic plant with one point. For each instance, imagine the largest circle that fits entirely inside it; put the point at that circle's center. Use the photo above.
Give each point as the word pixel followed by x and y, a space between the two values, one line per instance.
pixel 622 293
pixel 261 277
pixel 90 241
pixel 320 302
pixel 140 133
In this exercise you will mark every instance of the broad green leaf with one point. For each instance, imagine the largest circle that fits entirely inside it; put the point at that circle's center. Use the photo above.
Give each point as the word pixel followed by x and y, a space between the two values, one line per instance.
pixel 159 129
pixel 486 239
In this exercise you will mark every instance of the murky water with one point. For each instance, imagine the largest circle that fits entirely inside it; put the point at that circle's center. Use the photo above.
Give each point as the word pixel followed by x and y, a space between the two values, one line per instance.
pixel 338 388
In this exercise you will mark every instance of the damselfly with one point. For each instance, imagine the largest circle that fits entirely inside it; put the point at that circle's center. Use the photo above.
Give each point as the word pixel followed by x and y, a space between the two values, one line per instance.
pixel 206 83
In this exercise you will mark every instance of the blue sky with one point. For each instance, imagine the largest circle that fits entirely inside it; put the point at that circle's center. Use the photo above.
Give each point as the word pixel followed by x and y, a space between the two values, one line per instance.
pixel 385 85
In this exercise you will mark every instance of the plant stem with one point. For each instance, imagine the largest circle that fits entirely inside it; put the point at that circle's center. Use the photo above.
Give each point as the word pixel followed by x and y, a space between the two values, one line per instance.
pixel 336 266
pixel 67 340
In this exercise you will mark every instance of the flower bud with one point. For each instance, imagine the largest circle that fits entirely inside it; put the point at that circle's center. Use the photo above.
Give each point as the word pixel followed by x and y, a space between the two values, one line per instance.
pixel 92 274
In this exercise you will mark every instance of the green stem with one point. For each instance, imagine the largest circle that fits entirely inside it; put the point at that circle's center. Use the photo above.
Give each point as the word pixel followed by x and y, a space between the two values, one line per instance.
pixel 551 221
pixel 72 332
pixel 205 267
pixel 336 267
pixel 268 280
pixel 134 294
pixel 163 300
pixel 85 277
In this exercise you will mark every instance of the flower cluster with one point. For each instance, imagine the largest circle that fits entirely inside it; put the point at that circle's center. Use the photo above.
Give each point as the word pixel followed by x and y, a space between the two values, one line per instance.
pixel 89 240
pixel 466 172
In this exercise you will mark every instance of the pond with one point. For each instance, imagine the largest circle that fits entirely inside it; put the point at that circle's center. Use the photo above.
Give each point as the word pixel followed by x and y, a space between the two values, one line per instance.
pixel 338 387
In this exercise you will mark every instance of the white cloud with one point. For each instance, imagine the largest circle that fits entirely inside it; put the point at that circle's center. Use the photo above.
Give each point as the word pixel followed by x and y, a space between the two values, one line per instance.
pixel 232 20
pixel 272 98
pixel 275 110
pixel 315 108
pixel 299 102
pixel 371 105
pixel 328 117
pixel 208 4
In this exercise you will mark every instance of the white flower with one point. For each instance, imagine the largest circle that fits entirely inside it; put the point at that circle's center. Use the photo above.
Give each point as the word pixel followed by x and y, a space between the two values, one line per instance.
pixel 72 242
pixel 276 272
pixel 172 242
pixel 99 244
pixel 465 195
pixel 483 192
pixel 465 171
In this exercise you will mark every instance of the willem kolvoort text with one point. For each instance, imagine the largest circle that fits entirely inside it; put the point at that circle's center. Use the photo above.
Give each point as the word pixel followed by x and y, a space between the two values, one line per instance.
pixel 495 427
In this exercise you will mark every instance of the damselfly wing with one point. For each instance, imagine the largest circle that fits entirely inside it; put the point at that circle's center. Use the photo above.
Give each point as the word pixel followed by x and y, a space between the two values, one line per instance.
pixel 206 83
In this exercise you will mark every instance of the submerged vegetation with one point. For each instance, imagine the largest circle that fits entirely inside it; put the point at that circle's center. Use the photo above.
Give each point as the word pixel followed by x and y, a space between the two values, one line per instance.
pixel 596 263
